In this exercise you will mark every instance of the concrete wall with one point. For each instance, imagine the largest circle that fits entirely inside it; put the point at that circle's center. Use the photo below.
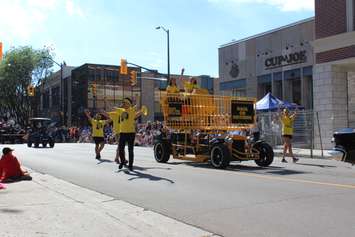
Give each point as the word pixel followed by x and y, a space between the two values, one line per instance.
pixel 250 54
pixel 330 101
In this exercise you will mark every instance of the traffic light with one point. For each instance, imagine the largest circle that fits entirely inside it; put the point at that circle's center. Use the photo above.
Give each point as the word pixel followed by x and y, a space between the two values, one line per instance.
pixel 133 78
pixel 0 51
pixel 93 89
pixel 31 90
pixel 123 68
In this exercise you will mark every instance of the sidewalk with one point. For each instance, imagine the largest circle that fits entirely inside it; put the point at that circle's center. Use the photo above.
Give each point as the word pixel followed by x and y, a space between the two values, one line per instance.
pixel 47 206
pixel 303 153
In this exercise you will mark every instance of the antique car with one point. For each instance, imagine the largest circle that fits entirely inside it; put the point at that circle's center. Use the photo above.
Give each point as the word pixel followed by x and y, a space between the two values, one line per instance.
pixel 344 145
pixel 210 128
pixel 39 134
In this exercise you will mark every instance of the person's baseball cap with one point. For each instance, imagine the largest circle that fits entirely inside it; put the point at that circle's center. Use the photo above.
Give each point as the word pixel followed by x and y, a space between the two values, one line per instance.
pixel 6 150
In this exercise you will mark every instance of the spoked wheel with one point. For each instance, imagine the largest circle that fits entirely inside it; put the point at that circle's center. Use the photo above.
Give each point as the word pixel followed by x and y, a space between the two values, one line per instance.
pixel 161 152
pixel 266 155
pixel 220 156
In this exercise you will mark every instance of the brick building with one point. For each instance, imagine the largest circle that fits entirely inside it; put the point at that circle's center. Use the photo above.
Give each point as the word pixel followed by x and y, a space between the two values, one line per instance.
pixel 111 88
pixel 311 63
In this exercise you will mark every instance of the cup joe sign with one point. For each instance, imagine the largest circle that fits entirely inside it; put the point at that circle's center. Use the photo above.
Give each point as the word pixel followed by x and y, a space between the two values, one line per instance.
pixel 284 60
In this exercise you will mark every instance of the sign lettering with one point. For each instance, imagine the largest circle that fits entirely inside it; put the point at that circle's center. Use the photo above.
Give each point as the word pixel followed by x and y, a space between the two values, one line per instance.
pixel 284 60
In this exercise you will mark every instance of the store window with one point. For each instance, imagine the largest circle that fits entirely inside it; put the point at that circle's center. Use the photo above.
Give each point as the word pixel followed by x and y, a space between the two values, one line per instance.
pixel 264 85
pixel 277 85
pixel 292 80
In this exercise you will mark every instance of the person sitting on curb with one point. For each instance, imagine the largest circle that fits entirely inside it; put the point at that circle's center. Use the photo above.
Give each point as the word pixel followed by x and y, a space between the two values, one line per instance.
pixel 10 168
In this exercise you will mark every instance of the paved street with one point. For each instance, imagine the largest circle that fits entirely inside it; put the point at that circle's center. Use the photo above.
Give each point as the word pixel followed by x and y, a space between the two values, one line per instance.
pixel 311 198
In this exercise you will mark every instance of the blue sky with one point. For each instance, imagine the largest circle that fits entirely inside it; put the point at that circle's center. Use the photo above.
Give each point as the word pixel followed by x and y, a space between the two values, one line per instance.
pixel 103 31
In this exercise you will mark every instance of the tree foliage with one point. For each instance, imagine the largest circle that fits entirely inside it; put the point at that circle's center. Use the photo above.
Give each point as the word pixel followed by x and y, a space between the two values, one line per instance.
pixel 21 67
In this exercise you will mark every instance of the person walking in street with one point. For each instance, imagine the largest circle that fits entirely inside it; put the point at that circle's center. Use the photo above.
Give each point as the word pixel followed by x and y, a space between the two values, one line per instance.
pixel 10 168
pixel 98 124
pixel 128 117
pixel 287 120
pixel 115 117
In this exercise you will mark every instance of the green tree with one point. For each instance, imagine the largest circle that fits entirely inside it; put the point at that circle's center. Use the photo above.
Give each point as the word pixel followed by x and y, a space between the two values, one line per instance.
pixel 21 67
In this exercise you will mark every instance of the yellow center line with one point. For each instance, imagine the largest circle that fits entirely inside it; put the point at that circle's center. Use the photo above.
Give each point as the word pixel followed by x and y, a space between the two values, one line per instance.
pixel 348 186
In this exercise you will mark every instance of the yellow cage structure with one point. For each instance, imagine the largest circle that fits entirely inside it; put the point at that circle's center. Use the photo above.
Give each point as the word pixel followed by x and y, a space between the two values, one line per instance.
pixel 202 127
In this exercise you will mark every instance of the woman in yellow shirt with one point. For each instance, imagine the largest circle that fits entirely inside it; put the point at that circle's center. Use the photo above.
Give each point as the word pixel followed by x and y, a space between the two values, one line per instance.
pixel 172 87
pixel 287 120
pixel 98 124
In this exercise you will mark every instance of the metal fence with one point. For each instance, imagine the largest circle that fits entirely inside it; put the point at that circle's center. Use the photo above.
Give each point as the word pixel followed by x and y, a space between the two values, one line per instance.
pixel 305 125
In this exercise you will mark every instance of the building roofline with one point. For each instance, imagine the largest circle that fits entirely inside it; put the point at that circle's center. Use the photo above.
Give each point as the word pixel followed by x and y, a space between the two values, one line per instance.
pixel 267 32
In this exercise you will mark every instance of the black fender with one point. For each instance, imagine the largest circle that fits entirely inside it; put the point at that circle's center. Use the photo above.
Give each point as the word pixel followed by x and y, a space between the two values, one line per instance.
pixel 216 140
pixel 341 149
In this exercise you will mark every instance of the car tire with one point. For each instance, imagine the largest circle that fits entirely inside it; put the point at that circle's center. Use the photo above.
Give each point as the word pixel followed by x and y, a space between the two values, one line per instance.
pixel 162 152
pixel 220 156
pixel 266 154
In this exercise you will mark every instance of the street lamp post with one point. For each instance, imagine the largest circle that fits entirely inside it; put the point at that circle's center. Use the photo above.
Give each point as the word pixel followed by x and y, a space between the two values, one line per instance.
pixel 61 65
pixel 168 48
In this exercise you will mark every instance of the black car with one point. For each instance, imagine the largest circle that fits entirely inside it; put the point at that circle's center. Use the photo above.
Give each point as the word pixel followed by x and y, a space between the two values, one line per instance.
pixel 344 149
pixel 39 133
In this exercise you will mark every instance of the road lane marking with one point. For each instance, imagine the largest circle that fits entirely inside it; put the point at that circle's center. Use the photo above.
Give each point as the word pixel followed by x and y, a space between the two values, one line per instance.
pixel 348 186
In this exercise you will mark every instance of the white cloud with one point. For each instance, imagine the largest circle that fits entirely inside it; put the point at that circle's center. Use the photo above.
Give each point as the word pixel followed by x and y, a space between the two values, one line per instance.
pixel 73 9
pixel 284 5
pixel 20 19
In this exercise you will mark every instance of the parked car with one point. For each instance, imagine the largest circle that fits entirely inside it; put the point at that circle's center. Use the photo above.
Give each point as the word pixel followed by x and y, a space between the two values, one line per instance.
pixel 344 145
pixel 39 133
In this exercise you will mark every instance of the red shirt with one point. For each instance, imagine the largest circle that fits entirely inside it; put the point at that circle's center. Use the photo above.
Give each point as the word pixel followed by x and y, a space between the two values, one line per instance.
pixel 9 167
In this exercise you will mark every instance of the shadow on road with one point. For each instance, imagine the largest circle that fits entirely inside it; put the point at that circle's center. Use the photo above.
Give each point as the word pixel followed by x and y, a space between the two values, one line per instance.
pixel 104 161
pixel 10 211
pixel 274 170
pixel 321 166
pixel 137 174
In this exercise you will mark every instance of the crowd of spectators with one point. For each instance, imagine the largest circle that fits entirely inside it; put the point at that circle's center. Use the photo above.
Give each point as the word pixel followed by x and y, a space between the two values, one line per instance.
pixel 144 136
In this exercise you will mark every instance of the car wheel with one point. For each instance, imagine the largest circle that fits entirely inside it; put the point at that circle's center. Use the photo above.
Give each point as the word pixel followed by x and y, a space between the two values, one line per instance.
pixel 266 154
pixel 161 152
pixel 220 156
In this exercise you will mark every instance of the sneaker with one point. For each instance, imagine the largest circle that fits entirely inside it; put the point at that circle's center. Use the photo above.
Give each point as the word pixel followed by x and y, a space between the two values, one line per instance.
pixel 295 160
pixel 284 160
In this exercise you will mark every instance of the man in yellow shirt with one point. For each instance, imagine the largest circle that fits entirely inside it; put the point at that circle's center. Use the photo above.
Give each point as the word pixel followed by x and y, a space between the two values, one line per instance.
pixel 287 120
pixel 115 118
pixel 97 124
pixel 128 118
pixel 190 85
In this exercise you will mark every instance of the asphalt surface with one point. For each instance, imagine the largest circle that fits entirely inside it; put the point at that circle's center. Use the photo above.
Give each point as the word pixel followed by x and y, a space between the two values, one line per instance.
pixel 310 198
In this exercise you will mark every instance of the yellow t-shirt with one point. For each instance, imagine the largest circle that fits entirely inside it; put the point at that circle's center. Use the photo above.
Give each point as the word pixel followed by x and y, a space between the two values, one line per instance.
pixel 188 86
pixel 287 125
pixel 172 89
pixel 115 117
pixel 127 120
pixel 97 127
